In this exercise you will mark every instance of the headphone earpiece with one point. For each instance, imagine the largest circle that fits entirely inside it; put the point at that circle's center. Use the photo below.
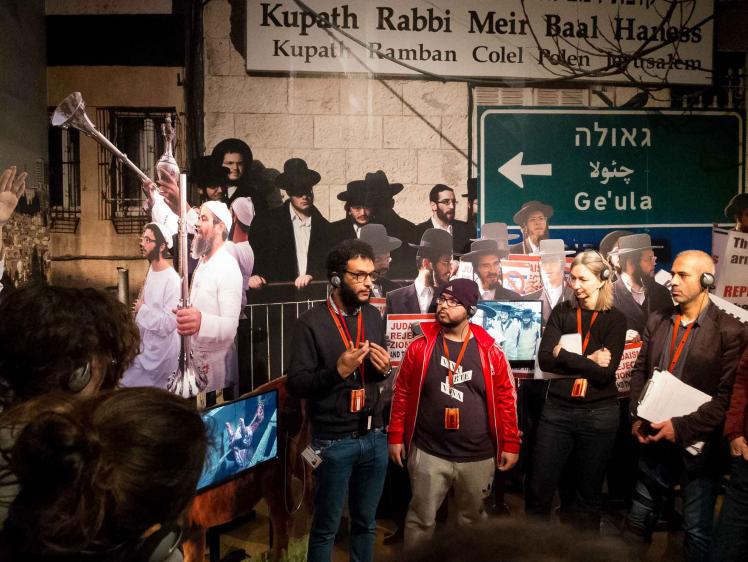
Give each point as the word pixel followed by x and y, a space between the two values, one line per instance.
pixel 335 280
pixel 472 311
pixel 79 379
pixel 162 545
pixel 707 281
pixel 605 272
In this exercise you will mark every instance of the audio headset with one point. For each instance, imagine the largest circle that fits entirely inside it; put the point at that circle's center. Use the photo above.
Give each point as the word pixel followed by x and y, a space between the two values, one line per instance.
pixel 707 281
pixel 79 378
pixel 335 280
pixel 605 271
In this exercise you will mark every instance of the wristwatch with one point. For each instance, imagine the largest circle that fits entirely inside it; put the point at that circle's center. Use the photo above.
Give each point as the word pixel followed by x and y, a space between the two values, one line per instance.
pixel 389 371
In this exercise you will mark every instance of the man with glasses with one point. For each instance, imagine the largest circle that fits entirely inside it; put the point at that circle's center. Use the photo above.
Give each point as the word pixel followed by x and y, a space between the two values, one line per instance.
pixel 443 208
pixel 454 416
pixel 338 360
pixel 154 313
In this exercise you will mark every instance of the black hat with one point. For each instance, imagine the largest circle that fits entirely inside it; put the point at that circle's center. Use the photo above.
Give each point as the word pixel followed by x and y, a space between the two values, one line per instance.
pixel 472 187
pixel 435 242
pixel 297 177
pixel 206 171
pixel 609 241
pixel 233 145
pixel 464 291
pixel 520 217
pixel 374 188
pixel 486 247
pixel 375 235
pixel 737 205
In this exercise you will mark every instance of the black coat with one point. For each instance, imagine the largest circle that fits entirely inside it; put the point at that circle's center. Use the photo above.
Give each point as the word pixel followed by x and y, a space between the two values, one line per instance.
pixel 403 264
pixel 405 301
pixel 342 230
pixel 657 298
pixel 710 366
pixel 272 240
pixel 461 234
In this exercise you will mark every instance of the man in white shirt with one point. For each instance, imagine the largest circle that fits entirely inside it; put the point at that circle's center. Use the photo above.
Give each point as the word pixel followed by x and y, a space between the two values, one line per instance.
pixel 486 256
pixel 533 219
pixel 443 212
pixel 434 266
pixel 553 288
pixel 291 241
pixel 154 314
pixel 215 299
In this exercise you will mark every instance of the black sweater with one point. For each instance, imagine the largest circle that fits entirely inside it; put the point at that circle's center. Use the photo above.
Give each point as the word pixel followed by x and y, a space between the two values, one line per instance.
pixel 312 373
pixel 609 331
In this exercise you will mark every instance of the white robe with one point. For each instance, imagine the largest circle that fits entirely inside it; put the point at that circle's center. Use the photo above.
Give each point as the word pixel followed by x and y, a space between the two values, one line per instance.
pixel 159 340
pixel 245 257
pixel 217 293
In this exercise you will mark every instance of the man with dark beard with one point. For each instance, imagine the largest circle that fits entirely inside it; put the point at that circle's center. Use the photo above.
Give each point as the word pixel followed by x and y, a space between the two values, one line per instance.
pixel 215 299
pixel 532 218
pixel 486 256
pixel 443 206
pixel 154 313
pixel 337 360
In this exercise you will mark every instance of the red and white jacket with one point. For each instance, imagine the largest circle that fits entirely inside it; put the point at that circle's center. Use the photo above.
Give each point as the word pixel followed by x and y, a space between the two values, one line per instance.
pixel 501 395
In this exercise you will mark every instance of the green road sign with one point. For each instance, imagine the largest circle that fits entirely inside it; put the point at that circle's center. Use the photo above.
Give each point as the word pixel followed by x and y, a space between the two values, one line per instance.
pixel 608 168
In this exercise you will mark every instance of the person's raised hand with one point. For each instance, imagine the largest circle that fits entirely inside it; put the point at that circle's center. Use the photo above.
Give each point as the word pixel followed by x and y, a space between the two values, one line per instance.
pixel 379 358
pixel 12 187
pixel 351 359
pixel 169 188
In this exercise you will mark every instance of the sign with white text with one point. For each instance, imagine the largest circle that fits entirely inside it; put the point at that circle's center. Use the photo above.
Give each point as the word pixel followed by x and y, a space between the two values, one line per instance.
pixel 669 172
pixel 483 38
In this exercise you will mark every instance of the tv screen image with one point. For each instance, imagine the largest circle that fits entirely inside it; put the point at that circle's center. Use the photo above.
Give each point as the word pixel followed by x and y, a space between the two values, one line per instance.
pixel 516 327
pixel 243 434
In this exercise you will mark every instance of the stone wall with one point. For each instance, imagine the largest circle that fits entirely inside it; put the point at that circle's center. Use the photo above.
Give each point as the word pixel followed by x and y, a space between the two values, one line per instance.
pixel 414 130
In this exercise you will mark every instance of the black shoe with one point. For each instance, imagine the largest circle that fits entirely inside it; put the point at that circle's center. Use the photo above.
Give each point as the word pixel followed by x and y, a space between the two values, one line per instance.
pixel 395 538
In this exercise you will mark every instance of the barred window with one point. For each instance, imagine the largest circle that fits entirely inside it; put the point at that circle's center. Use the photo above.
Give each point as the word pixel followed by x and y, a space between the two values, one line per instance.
pixel 64 179
pixel 137 133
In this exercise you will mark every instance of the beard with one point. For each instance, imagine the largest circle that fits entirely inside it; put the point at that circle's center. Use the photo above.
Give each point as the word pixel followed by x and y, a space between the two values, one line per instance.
pixel 201 246
pixel 349 297
pixel 445 217
pixel 153 255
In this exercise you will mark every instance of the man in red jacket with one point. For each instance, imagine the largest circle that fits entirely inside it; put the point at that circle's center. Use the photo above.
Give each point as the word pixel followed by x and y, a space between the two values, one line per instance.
pixel 454 415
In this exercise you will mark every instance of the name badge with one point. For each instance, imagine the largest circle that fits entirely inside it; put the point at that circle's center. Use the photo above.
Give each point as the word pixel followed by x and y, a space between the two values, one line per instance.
pixel 358 399
pixel 452 418
pixel 579 390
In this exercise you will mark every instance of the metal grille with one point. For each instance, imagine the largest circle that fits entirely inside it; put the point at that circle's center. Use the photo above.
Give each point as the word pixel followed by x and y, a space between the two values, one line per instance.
pixel 137 133
pixel 64 179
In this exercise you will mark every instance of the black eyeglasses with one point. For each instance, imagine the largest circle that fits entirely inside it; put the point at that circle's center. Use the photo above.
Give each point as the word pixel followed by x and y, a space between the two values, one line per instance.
pixel 359 276
pixel 448 302
pixel 447 202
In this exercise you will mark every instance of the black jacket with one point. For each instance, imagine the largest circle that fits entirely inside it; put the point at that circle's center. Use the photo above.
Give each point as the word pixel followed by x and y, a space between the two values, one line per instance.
pixel 657 298
pixel 272 240
pixel 342 230
pixel 312 373
pixel 461 234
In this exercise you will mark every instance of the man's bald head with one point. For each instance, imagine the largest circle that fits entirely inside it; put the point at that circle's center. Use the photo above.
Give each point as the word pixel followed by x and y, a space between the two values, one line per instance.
pixel 687 270
pixel 701 260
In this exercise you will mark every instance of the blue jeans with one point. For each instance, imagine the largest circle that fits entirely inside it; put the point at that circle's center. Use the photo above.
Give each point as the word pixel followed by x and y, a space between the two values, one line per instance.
pixel 355 468
pixel 661 468
pixel 731 536
pixel 586 433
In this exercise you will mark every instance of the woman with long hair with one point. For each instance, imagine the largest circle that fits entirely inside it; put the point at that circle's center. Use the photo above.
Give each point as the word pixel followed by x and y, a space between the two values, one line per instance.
pixel 580 416
pixel 105 478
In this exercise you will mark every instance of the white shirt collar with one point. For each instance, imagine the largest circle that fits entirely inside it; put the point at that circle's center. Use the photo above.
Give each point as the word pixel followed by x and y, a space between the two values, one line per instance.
pixel 295 217
pixel 438 225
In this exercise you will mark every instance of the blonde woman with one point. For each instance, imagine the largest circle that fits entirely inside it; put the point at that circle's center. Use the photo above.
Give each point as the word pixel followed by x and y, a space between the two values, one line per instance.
pixel 580 416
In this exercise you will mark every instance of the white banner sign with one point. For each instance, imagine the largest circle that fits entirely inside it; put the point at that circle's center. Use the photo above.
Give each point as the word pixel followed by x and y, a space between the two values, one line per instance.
pixel 484 38
pixel 732 278
pixel 400 333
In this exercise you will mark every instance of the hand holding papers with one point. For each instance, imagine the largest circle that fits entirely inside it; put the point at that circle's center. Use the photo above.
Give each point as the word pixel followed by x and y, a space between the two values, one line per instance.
pixel 666 396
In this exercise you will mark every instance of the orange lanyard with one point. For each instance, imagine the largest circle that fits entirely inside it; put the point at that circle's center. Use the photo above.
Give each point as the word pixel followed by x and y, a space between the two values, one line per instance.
pixel 674 358
pixel 459 357
pixel 579 328
pixel 345 335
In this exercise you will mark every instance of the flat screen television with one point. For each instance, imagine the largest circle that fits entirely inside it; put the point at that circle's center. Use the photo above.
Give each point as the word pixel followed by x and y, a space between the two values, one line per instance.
pixel 516 325
pixel 243 434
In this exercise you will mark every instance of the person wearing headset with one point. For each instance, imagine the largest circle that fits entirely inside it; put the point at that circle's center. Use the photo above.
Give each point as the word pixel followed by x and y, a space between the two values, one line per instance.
pixel 104 478
pixel 580 415
pixel 454 414
pixel 338 359
pixel 701 345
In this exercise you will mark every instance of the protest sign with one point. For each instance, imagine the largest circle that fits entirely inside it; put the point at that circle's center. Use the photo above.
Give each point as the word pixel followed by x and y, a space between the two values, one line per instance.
pixel 400 333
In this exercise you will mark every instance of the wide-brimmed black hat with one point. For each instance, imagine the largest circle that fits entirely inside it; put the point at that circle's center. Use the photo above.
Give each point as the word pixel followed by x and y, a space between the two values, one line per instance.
pixel 737 205
pixel 297 177
pixel 375 187
pixel 633 243
pixel 487 247
pixel 435 242
pixel 232 145
pixel 609 241
pixel 206 171
pixel 375 235
pixel 520 217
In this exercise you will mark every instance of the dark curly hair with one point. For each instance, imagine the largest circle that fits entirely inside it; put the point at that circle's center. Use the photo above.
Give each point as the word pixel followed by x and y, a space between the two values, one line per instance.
pixel 337 259
pixel 95 473
pixel 48 332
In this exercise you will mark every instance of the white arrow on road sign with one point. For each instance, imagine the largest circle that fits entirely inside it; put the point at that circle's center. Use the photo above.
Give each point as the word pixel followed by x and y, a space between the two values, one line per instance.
pixel 513 170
